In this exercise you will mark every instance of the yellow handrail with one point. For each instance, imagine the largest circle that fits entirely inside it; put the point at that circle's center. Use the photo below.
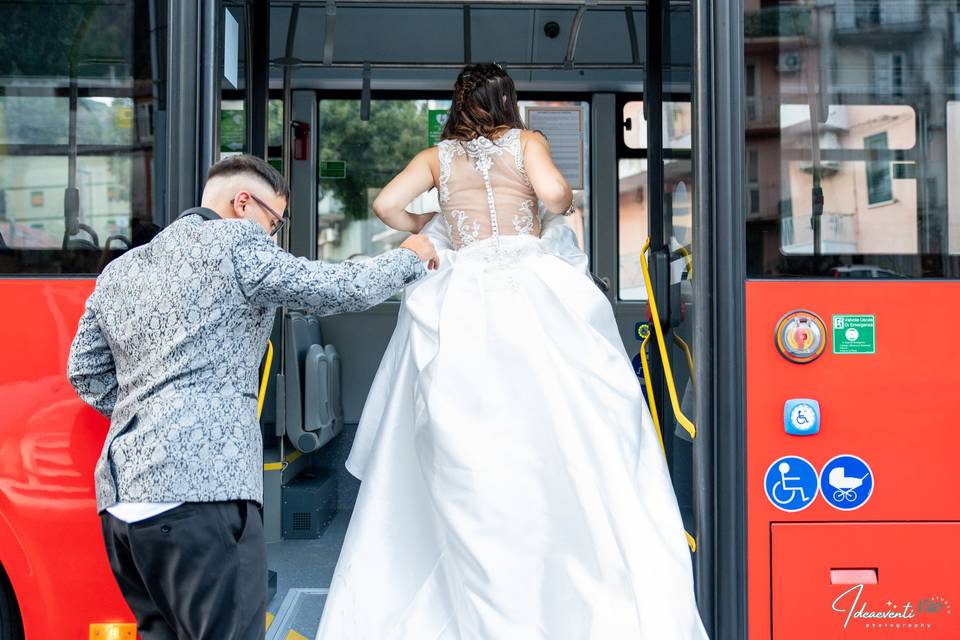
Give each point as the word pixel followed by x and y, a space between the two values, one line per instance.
pixel 684 421
pixel 645 334
pixel 691 541
pixel 264 379
pixel 680 342
pixel 688 259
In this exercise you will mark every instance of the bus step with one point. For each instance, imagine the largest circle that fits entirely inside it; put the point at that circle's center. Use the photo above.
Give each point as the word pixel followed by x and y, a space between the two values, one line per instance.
pixel 298 615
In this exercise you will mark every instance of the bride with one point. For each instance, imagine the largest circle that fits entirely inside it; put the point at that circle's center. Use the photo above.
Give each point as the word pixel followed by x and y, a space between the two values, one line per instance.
pixel 513 485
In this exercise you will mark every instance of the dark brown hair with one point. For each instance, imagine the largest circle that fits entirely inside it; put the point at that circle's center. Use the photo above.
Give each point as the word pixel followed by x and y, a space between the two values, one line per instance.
pixel 251 165
pixel 484 103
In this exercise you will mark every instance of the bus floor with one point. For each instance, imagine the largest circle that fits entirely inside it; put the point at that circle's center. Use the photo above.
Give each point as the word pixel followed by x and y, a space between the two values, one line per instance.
pixel 304 569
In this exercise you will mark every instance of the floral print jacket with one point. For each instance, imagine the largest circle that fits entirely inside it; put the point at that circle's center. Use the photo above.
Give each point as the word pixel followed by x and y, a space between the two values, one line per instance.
pixel 169 348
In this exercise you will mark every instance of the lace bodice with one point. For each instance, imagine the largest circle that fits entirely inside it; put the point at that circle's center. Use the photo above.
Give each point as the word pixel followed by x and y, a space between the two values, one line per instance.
pixel 484 189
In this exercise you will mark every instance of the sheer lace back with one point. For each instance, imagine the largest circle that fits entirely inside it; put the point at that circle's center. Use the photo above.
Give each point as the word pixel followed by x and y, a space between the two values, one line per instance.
pixel 484 189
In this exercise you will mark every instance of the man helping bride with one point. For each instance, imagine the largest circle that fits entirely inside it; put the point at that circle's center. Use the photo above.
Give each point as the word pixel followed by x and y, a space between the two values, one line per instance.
pixel 513 486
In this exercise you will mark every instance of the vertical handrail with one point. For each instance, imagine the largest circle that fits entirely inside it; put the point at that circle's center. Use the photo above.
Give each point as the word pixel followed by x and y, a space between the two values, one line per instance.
pixel 652 401
pixel 264 379
pixel 645 334
pixel 684 421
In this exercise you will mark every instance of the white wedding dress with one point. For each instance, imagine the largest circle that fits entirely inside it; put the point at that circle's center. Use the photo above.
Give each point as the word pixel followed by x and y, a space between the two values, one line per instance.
pixel 513 484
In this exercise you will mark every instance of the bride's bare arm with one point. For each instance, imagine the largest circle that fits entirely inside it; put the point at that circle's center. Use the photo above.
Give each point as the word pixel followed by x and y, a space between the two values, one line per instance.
pixel 417 177
pixel 546 179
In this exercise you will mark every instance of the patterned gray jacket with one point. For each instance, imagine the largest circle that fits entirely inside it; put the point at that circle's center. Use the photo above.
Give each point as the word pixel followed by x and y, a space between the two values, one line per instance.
pixel 169 348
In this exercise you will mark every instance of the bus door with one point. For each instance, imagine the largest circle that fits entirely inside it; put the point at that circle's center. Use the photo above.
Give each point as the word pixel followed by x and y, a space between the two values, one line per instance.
pixel 322 103
pixel 653 294
pixel 852 145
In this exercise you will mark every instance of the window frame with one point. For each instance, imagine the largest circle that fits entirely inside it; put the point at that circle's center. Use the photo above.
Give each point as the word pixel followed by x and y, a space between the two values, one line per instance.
pixel 925 263
pixel 752 175
pixel 625 152
pixel 878 170
pixel 522 96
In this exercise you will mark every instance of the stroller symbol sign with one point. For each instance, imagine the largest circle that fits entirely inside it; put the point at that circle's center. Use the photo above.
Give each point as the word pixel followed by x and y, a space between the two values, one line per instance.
pixel 846 482
pixel 791 483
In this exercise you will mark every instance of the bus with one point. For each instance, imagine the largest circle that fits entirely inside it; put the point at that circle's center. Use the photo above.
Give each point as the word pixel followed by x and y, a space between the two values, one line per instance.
pixel 764 189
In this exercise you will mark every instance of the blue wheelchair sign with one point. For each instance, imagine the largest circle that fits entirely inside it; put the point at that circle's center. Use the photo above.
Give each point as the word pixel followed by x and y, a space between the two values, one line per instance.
pixel 791 483
pixel 846 482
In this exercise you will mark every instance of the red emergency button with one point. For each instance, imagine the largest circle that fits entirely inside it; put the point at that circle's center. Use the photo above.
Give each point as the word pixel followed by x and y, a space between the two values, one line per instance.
pixel 801 336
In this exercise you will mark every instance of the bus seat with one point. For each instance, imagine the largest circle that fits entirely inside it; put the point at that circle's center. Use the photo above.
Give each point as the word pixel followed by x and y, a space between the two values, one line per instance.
pixel 335 393
pixel 312 380
pixel 333 380
pixel 321 372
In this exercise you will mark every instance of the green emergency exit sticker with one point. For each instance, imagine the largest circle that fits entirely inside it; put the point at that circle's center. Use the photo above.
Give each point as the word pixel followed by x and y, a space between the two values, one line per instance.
pixel 437 118
pixel 334 169
pixel 854 334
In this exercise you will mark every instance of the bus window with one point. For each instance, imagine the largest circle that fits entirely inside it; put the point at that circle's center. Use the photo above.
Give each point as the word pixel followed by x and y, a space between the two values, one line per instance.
pixel 851 138
pixel 357 158
pixel 233 128
pixel 77 136
pixel 633 189
pixel 632 226
pixel 677 125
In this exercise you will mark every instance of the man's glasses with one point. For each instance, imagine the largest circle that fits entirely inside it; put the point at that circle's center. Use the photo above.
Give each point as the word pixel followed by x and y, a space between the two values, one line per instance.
pixel 279 220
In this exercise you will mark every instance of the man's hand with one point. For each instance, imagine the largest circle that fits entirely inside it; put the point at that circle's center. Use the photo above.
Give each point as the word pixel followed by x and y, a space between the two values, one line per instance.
pixel 424 249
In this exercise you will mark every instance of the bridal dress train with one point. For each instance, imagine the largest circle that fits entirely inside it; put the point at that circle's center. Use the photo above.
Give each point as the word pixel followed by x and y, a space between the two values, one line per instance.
pixel 513 486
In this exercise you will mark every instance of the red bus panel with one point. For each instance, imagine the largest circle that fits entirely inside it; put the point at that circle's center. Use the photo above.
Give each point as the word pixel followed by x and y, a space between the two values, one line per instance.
pixel 50 541
pixel 865 580
pixel 894 409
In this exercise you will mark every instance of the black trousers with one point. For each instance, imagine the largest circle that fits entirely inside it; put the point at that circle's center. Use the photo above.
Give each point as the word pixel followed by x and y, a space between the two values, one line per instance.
pixel 196 572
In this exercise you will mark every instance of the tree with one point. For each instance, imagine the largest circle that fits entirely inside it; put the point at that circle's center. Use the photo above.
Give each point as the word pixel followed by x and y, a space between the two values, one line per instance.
pixel 38 39
pixel 374 151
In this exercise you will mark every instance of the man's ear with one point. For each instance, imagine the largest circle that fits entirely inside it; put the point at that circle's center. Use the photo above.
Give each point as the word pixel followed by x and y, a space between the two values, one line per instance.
pixel 238 202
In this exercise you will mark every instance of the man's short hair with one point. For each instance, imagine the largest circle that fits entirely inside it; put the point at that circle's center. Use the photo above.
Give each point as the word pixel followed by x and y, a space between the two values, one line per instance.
pixel 250 165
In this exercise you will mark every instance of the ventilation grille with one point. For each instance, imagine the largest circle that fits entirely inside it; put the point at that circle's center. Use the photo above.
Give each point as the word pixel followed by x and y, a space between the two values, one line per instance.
pixel 302 521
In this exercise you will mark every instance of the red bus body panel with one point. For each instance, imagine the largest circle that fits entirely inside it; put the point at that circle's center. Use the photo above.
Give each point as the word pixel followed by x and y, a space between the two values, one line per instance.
pixel 50 541
pixel 896 410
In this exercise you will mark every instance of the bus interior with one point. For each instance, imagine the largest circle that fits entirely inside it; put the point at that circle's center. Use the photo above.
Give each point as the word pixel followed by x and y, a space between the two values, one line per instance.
pixel 114 111
pixel 365 85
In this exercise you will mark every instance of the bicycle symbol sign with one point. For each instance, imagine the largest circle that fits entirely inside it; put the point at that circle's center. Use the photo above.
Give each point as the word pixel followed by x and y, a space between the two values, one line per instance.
pixel 791 483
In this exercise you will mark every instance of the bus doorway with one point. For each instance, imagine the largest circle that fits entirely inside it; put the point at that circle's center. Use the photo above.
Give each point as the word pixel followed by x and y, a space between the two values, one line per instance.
pixel 346 94
pixel 110 116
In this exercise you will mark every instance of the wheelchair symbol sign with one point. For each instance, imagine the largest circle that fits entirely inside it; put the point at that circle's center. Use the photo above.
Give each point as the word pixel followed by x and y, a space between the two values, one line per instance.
pixel 846 482
pixel 791 483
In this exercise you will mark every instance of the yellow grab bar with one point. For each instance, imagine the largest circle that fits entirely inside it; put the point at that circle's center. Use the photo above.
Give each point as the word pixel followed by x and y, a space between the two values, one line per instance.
pixel 684 421
pixel 283 464
pixel 264 379
pixel 645 334
pixel 680 342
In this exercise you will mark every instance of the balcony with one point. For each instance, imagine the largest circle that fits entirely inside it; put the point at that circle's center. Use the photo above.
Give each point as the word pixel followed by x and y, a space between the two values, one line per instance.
pixel 875 20
pixel 777 23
